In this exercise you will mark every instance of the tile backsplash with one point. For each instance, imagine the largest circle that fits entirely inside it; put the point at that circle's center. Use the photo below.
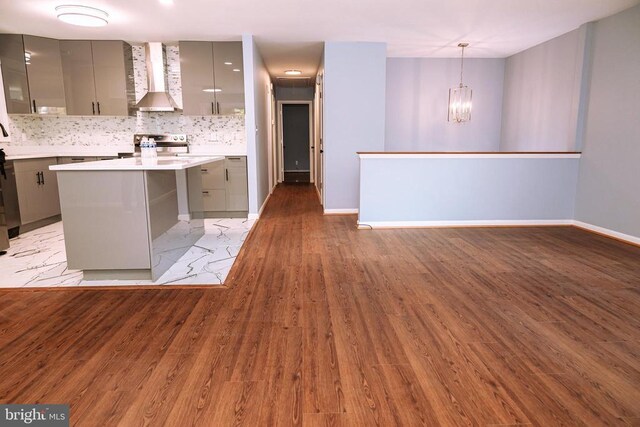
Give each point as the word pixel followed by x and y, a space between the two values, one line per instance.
pixel 110 131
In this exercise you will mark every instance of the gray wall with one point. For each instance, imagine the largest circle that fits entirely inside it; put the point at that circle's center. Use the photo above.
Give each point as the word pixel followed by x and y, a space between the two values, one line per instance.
pixel 354 115
pixel 609 183
pixel 467 189
pixel 294 93
pixel 542 87
pixel 295 129
pixel 256 87
pixel 417 97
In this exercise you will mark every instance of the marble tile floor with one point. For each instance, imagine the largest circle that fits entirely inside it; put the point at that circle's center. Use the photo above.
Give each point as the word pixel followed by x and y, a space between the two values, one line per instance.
pixel 38 259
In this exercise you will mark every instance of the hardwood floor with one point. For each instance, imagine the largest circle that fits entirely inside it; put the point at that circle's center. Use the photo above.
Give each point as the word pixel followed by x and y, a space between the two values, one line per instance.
pixel 322 324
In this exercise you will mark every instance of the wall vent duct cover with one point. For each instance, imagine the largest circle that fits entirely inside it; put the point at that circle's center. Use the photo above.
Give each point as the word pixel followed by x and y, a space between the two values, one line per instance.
pixel 294 81
pixel 157 98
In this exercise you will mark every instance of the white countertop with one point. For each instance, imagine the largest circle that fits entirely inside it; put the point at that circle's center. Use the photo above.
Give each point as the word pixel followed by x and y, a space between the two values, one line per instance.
pixel 30 156
pixel 139 164
pixel 20 152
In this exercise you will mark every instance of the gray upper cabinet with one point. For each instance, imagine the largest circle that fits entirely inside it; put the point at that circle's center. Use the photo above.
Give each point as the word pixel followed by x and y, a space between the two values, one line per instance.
pixel 79 83
pixel 32 74
pixel 209 84
pixel 14 74
pixel 44 73
pixel 228 58
pixel 98 77
pixel 196 73
pixel 113 70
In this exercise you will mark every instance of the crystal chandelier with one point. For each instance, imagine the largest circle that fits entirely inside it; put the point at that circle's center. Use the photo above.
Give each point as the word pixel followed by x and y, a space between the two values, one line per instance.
pixel 460 97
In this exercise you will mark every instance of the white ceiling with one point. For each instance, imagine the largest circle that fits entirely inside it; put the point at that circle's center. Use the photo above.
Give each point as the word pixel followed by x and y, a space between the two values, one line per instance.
pixel 288 32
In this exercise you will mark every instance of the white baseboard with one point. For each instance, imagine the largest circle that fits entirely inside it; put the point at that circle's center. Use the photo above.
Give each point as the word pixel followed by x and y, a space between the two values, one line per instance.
pixel 472 223
pixel 257 216
pixel 500 223
pixel 340 211
pixel 184 217
pixel 607 232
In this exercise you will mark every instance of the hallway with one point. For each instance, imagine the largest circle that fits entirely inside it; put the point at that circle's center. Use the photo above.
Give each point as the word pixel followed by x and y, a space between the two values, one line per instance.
pixel 324 324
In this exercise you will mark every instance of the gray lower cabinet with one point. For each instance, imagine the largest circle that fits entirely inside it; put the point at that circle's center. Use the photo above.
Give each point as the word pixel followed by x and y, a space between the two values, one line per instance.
pixel 214 197
pixel 224 185
pixel 98 77
pixel 236 180
pixel 37 188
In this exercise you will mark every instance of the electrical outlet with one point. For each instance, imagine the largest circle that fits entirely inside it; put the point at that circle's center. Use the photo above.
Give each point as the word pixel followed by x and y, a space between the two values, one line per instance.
pixel 296 163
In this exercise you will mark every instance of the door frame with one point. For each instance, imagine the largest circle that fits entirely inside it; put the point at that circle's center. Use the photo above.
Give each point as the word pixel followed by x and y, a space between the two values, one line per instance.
pixel 318 99
pixel 271 104
pixel 280 157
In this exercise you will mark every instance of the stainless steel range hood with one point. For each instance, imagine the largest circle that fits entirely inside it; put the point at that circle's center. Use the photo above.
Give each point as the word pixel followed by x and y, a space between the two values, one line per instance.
pixel 157 98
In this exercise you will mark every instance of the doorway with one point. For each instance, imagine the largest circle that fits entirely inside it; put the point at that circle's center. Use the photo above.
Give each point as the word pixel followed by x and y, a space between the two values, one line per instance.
pixel 296 137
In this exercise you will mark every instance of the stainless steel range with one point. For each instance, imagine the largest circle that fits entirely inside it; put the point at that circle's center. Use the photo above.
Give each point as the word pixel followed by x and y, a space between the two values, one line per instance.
pixel 168 144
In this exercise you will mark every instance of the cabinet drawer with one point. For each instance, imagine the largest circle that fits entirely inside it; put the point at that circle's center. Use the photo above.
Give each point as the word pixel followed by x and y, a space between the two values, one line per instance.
pixel 78 159
pixel 29 165
pixel 213 176
pixel 236 162
pixel 214 200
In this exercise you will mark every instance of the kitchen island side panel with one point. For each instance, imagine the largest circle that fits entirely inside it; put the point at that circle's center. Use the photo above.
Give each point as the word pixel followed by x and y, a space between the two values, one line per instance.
pixel 104 217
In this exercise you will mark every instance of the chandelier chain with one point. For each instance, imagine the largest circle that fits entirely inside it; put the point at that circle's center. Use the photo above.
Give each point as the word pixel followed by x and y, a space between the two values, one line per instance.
pixel 461 64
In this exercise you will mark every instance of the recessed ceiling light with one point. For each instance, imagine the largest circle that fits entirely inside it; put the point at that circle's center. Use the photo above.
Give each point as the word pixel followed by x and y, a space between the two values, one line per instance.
pixel 228 63
pixel 293 72
pixel 84 16
pixel 166 2
pixel 237 70
pixel 212 90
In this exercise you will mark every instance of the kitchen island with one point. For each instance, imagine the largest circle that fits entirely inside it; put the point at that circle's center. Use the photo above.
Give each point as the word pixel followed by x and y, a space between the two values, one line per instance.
pixel 133 218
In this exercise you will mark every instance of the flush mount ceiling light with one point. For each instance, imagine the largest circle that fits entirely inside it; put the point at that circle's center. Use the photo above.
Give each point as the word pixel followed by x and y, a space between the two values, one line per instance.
pixel 84 16
pixel 460 97
pixel 293 72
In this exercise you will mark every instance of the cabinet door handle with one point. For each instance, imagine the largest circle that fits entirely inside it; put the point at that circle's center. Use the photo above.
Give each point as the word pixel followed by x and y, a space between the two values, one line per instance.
pixel 93 107
pixel 233 158
pixel 205 192
pixel 42 177
pixel 212 109
pixel 38 177
pixel 35 110
pixel 217 108
pixel 226 172
pixel 98 104
pixel 205 170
